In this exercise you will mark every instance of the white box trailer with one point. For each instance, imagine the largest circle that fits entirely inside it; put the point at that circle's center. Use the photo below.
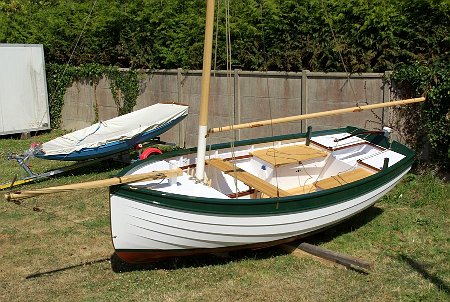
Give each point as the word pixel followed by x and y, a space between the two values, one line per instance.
pixel 23 89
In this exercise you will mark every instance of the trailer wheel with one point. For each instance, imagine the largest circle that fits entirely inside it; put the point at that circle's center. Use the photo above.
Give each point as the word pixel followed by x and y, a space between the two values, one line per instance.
pixel 149 151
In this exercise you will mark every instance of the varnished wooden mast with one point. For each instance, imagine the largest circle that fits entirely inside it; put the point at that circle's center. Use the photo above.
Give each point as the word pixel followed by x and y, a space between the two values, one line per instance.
pixel 315 115
pixel 204 96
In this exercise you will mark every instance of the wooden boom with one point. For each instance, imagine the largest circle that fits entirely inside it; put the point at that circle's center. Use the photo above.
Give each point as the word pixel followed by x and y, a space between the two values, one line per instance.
pixel 94 184
pixel 315 115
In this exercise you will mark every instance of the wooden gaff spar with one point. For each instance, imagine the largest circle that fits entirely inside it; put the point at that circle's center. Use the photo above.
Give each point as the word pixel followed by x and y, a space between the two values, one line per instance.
pixel 316 115
pixel 93 184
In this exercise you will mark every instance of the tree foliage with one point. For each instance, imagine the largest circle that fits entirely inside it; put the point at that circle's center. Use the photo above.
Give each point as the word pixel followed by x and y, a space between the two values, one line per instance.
pixel 433 123
pixel 319 35
pixel 411 37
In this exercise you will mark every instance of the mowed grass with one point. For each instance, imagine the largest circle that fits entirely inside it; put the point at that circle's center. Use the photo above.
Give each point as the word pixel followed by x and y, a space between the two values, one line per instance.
pixel 58 248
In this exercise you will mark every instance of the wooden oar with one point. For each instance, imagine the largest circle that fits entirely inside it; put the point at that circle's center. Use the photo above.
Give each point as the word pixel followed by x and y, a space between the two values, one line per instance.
pixel 315 115
pixel 94 184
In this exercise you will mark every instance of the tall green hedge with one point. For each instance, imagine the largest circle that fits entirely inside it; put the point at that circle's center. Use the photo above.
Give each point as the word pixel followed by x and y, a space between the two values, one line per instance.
pixel 266 34
pixel 411 37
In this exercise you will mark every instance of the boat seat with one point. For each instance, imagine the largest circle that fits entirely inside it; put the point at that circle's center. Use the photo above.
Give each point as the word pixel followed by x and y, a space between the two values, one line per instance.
pixel 289 154
pixel 247 178
pixel 302 190
pixel 342 179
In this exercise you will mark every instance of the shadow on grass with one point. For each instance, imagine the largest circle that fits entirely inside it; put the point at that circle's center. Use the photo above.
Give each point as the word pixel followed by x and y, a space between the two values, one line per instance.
pixel 106 165
pixel 174 263
pixel 66 268
pixel 420 268
pixel 348 226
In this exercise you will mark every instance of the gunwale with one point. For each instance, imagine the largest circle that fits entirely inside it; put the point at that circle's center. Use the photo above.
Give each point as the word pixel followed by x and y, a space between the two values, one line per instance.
pixel 268 206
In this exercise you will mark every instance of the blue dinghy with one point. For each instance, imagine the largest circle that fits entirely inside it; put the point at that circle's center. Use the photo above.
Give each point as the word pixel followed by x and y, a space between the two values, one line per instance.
pixel 115 135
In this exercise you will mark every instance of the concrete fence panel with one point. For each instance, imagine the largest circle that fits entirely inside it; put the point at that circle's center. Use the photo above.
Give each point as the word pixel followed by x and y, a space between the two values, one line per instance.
pixel 240 97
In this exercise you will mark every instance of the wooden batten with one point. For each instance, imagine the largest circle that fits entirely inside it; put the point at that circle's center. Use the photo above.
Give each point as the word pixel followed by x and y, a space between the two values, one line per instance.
pixel 342 179
pixel 302 189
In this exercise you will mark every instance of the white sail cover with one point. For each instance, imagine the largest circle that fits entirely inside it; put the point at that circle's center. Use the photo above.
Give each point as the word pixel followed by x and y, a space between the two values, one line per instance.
pixel 119 128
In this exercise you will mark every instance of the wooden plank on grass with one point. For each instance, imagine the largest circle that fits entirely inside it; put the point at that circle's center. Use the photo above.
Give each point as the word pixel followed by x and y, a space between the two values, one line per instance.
pixel 345 260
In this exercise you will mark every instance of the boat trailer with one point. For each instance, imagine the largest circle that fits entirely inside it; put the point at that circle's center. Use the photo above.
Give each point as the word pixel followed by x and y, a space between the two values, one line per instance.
pixel 24 159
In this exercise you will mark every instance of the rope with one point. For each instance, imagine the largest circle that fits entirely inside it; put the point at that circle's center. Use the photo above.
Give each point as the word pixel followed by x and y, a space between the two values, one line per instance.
pixel 275 169
pixel 81 34
pixel 344 65
pixel 217 38
pixel 232 114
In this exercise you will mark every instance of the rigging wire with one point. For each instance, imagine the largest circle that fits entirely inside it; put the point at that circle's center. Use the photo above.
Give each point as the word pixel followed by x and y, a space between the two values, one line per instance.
pixel 217 37
pixel 232 113
pixel 275 169
pixel 88 17
pixel 335 40
pixel 339 51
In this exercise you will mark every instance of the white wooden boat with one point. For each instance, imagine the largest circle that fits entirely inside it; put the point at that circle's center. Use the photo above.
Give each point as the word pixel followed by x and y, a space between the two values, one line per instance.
pixel 262 192
pixel 252 193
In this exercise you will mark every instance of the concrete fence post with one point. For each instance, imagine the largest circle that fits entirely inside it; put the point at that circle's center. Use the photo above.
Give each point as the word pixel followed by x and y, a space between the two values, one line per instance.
pixel 182 125
pixel 386 97
pixel 304 99
pixel 237 101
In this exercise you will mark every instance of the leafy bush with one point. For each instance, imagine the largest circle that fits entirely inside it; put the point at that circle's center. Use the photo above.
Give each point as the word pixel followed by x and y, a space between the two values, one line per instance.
pixel 433 80
pixel 124 86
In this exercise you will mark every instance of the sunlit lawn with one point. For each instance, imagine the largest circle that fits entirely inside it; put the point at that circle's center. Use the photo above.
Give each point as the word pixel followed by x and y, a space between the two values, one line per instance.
pixel 59 248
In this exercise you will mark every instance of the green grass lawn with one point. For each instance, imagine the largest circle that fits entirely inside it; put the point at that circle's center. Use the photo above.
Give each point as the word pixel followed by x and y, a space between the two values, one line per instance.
pixel 58 248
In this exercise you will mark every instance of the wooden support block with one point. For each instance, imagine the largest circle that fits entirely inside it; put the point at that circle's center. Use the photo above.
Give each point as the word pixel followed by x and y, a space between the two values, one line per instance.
pixel 25 135
pixel 345 260
pixel 294 251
